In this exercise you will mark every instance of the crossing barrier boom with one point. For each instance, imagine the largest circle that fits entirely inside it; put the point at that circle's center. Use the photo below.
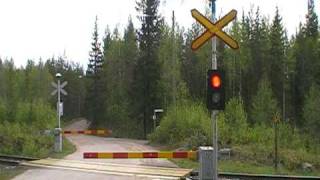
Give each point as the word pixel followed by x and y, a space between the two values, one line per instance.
pixel 89 132
pixel 135 155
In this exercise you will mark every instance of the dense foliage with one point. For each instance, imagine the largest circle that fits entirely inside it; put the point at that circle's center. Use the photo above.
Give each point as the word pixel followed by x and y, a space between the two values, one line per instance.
pixel 25 109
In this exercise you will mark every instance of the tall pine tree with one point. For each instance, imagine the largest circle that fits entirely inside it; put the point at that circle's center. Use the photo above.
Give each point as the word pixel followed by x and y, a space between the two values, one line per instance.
pixel 311 29
pixel 94 102
pixel 307 60
pixel 264 105
pixel 277 59
pixel 147 71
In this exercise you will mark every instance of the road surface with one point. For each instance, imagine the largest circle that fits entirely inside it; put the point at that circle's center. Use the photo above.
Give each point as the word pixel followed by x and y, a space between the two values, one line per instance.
pixel 85 143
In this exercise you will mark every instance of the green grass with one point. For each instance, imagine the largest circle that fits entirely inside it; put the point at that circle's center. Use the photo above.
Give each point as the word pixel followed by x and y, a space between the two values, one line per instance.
pixel 67 148
pixel 9 173
pixel 235 166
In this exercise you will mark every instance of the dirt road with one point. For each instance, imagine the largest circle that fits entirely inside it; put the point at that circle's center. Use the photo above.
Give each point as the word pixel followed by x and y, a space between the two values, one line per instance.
pixel 86 143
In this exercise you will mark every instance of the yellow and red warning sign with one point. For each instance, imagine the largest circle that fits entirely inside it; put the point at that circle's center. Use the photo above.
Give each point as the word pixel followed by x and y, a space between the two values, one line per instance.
pixel 214 29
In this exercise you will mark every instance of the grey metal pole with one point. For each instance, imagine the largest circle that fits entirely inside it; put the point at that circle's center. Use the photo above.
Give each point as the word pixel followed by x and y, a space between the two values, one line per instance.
pixel 58 135
pixel 214 39
pixel 59 103
pixel 154 121
pixel 214 112
pixel 215 144
pixel 79 98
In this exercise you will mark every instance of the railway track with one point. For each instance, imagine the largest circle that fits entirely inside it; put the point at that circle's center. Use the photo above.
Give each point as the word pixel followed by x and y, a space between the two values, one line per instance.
pixel 14 160
pixel 263 176
pixel 243 176
pixel 17 160
pixel 108 168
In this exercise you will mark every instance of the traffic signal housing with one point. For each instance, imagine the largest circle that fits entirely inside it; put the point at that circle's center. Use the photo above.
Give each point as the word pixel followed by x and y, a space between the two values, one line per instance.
pixel 215 91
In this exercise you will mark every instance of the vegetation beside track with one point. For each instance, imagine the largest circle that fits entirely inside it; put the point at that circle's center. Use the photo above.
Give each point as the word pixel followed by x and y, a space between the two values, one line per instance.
pixel 7 173
pixel 236 166
pixel 68 148
pixel 188 126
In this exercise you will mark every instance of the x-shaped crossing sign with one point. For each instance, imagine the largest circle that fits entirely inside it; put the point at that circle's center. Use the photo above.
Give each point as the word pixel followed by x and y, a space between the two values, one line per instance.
pixel 214 29
pixel 61 88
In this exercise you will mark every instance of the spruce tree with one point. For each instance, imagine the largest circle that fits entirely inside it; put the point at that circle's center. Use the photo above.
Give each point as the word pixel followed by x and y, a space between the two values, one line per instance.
pixel 311 111
pixel 147 69
pixel 311 29
pixel 171 83
pixel 264 105
pixel 307 61
pixel 245 56
pixel 130 57
pixel 10 89
pixel 94 102
pixel 277 59
pixel 95 55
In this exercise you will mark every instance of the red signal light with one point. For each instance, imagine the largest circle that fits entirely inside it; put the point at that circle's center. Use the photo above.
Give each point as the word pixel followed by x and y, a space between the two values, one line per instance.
pixel 215 91
pixel 216 81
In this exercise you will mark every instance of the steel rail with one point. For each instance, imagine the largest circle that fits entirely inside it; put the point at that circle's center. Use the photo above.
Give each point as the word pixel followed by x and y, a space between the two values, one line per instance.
pixel 194 175
pixel 14 160
pixel 263 176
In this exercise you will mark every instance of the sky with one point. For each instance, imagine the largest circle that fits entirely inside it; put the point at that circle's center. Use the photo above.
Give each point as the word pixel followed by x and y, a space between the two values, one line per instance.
pixel 30 29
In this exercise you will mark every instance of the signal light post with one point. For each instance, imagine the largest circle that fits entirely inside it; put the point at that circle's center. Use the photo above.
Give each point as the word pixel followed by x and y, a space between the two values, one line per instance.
pixel 215 102
pixel 215 91
pixel 214 112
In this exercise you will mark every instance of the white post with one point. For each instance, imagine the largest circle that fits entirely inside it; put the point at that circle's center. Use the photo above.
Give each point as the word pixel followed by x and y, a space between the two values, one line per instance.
pixel 59 104
pixel 57 132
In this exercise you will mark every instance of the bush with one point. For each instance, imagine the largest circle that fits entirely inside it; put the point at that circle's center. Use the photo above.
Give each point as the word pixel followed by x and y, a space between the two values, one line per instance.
pixel 189 124
pixel 23 136
pixel 291 138
pixel 25 140
pixel 254 153
pixel 293 159
pixel 311 112
pixel 2 110
pixel 261 135
pixel 232 123
pixel 186 124
pixel 38 113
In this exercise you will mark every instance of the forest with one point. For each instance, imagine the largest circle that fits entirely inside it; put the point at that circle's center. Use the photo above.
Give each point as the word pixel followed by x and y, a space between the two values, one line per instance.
pixel 273 79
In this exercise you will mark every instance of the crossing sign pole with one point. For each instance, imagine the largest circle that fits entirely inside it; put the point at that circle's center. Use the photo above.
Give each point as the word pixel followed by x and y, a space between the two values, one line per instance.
pixel 59 136
pixel 58 90
pixel 59 101
pixel 214 112
pixel 213 30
